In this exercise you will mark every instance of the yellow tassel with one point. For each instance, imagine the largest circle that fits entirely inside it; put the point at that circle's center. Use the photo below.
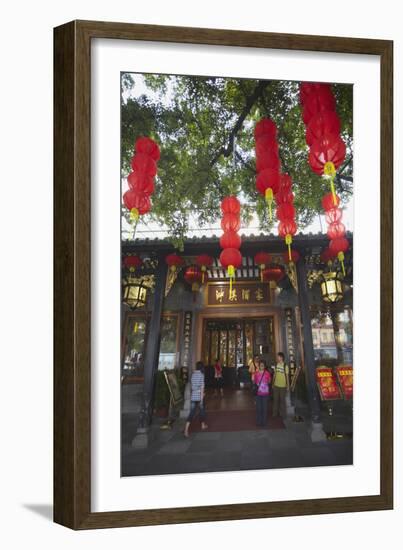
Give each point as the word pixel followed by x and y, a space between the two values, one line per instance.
pixel 134 215
pixel 288 241
pixel 269 200
pixel 329 170
pixel 340 257
pixel 333 192
pixel 262 266
pixel 231 274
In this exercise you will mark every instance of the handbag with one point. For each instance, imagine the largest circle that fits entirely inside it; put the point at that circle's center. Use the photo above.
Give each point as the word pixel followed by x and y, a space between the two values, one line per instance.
pixel 255 387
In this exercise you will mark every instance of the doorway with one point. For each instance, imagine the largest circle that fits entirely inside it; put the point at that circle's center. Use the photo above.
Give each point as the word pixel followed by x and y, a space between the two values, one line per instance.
pixel 235 342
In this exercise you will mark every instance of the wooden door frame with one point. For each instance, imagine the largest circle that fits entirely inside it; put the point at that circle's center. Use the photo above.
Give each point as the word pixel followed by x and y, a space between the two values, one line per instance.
pixel 236 313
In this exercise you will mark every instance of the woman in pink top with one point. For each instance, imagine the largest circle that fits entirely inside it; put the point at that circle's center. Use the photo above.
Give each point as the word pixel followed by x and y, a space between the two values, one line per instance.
pixel 262 379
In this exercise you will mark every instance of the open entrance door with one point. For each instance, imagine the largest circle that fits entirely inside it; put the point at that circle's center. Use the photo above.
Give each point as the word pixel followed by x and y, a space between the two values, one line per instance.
pixel 234 342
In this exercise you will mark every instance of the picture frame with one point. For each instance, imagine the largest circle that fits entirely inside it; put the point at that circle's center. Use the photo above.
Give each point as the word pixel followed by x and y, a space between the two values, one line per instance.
pixel 72 273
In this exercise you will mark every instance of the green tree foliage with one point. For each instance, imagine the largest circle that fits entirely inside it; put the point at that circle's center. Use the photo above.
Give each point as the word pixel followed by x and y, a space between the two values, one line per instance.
pixel 205 129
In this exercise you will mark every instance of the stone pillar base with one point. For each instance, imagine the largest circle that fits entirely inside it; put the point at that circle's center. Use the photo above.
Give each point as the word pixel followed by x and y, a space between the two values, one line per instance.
pixel 290 408
pixel 142 439
pixel 317 432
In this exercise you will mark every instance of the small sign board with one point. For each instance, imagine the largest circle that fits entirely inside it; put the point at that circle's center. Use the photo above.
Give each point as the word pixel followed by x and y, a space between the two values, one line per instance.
pixel 294 378
pixel 345 378
pixel 173 386
pixel 327 384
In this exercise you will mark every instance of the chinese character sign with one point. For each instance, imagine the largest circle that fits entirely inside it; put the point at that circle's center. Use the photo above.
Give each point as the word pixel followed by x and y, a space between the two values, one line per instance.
pixel 345 377
pixel 187 331
pixel 241 294
pixel 327 384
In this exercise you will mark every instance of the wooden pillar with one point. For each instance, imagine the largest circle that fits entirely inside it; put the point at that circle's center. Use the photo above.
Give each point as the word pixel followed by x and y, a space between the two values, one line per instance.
pixel 336 332
pixel 309 358
pixel 151 353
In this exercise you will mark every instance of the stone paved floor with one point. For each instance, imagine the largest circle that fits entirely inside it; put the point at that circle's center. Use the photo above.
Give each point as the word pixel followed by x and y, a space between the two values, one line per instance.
pixel 169 452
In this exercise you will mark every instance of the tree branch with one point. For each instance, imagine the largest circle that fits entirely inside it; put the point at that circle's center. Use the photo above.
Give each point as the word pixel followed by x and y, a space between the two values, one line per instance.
pixel 250 101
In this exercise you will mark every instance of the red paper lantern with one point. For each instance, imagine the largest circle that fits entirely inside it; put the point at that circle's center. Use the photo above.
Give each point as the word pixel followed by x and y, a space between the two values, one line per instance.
pixel 193 276
pixel 268 178
pixel 265 127
pixel 230 239
pixel 336 230
pixel 333 215
pixel 307 88
pixel 174 261
pixel 338 246
pixel 132 262
pixel 273 273
pixel 268 159
pixel 285 183
pixel 136 203
pixel 283 196
pixel 327 256
pixel 327 150
pixel 230 205
pixel 330 201
pixel 230 222
pixel 320 101
pixel 266 143
pixel 287 227
pixel 295 256
pixel 325 123
pixel 145 164
pixel 231 257
pixel 141 182
pixel 204 261
pixel 148 146
pixel 262 259
pixel 285 211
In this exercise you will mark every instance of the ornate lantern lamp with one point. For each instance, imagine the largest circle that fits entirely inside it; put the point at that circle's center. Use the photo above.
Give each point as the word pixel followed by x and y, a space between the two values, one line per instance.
pixel 331 286
pixel 135 292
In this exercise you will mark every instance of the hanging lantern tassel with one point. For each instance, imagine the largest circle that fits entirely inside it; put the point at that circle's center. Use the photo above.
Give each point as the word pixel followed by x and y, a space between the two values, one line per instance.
pixel 340 257
pixel 288 241
pixel 269 200
pixel 329 170
pixel 262 266
pixel 134 215
pixel 135 328
pixel 203 269
pixel 134 219
pixel 231 275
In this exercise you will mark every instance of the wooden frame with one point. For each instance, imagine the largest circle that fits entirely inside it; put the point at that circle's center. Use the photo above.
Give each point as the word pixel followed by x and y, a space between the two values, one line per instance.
pixel 72 269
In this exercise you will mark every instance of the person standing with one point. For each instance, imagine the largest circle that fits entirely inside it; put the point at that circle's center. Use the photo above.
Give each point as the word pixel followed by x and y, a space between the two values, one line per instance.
pixel 261 379
pixel 218 378
pixel 196 398
pixel 281 384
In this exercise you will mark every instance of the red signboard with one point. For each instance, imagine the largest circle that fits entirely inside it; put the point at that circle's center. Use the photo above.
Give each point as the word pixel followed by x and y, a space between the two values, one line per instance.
pixel 345 377
pixel 327 384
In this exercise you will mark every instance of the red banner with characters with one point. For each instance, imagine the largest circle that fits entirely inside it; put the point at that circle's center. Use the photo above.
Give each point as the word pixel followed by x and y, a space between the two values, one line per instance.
pixel 345 377
pixel 327 384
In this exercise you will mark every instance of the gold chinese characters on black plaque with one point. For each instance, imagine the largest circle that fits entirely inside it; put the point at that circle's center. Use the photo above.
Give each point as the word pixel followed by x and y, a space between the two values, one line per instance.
pixel 242 294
